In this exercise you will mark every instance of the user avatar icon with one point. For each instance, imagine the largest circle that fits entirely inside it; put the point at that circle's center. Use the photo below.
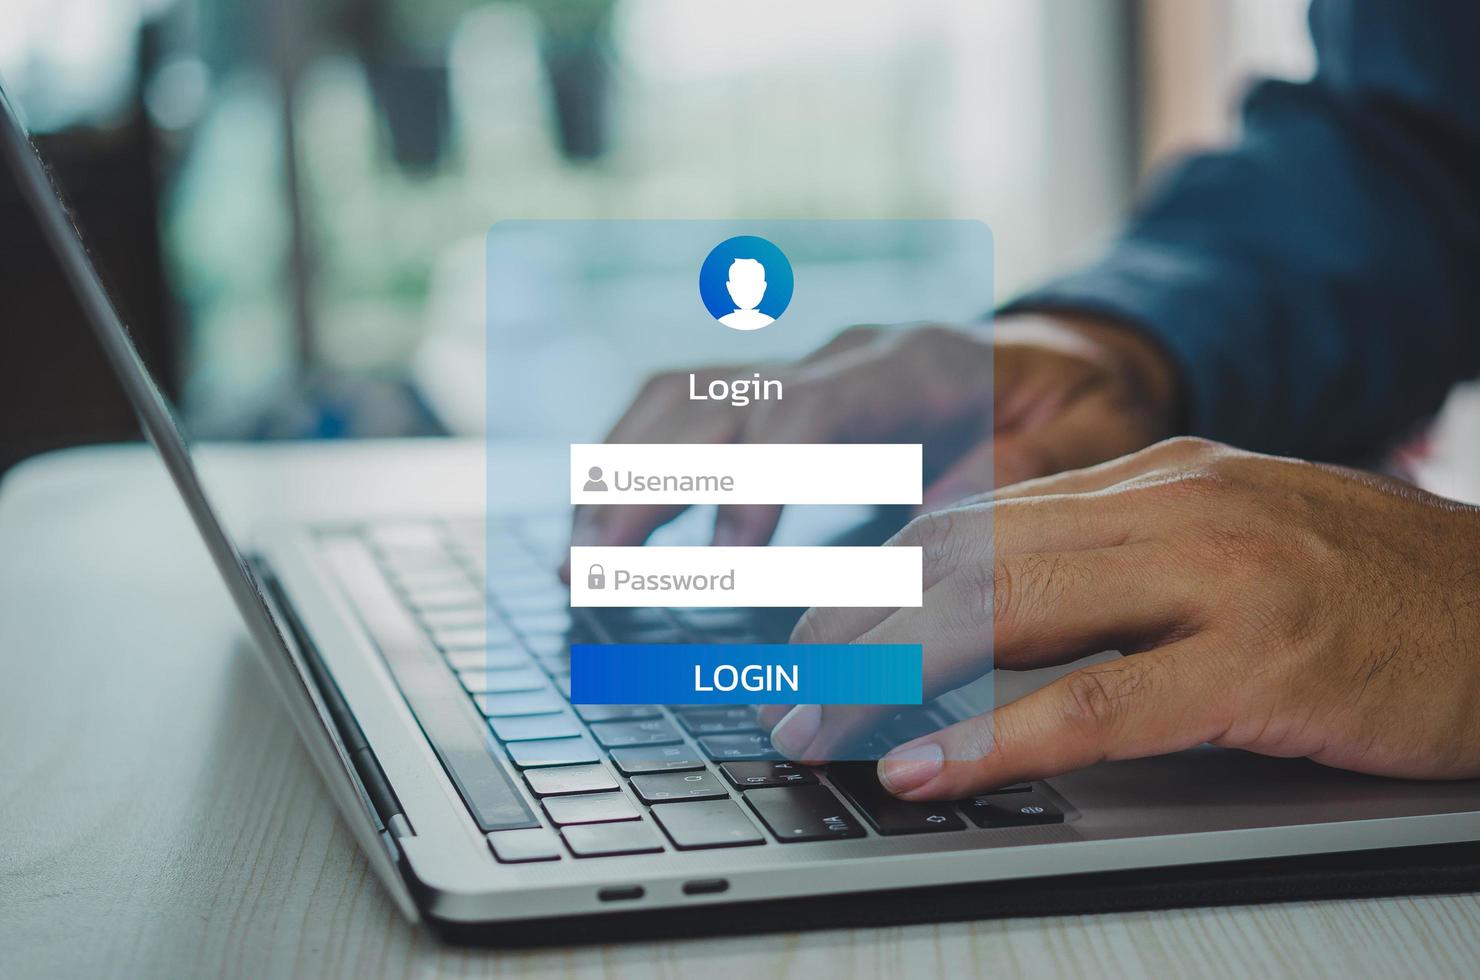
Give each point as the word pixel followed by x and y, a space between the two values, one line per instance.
pixel 595 482
pixel 745 282
pixel 746 286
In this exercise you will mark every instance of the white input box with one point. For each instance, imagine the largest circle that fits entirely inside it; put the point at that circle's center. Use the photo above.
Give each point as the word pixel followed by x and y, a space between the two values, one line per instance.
pixel 745 473
pixel 767 576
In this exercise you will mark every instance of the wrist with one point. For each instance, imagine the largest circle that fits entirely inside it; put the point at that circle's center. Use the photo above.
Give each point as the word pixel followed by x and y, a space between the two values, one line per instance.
pixel 1149 378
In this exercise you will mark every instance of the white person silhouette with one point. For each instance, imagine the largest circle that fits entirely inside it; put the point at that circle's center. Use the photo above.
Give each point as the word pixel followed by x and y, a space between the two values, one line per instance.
pixel 747 284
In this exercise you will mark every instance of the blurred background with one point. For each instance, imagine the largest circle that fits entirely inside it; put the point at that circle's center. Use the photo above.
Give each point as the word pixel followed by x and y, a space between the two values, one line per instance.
pixel 289 198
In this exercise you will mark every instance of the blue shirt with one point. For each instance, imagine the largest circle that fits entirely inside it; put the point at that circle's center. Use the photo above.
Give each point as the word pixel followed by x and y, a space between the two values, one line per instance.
pixel 1318 284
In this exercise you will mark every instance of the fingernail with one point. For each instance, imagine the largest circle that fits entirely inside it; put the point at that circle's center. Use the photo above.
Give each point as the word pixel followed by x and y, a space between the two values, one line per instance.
pixel 795 732
pixel 911 766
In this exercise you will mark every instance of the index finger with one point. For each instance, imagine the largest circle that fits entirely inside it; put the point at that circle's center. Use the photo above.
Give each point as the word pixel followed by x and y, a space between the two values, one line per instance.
pixel 1033 610
pixel 1146 704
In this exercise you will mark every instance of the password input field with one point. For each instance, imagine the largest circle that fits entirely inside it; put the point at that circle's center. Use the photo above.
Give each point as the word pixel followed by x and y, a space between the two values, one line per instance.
pixel 745 577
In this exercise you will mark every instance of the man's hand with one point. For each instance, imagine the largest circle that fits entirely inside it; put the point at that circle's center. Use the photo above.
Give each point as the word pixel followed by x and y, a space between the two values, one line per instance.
pixel 1068 392
pixel 1266 604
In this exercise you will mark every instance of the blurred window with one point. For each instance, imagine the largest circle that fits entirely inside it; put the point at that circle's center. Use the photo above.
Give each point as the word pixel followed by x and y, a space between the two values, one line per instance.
pixel 71 62
pixel 416 125
pixel 1201 56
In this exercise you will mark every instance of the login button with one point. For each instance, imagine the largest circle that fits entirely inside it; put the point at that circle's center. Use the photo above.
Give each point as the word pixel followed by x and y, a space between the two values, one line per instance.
pixel 746 673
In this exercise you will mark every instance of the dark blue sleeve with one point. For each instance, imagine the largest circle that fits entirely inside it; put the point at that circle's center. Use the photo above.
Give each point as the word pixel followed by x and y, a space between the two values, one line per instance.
pixel 1318 284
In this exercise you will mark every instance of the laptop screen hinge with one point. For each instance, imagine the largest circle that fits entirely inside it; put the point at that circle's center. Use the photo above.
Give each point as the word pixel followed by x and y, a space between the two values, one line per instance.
pixel 383 800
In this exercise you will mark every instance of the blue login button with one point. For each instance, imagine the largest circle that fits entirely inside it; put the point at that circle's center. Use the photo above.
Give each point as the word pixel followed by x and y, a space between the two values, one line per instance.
pixel 746 673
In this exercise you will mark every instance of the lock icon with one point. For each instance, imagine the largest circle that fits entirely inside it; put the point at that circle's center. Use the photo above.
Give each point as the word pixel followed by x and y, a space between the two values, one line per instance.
pixel 596 577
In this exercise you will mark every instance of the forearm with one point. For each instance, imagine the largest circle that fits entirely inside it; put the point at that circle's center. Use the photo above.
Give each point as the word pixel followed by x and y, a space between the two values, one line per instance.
pixel 1314 285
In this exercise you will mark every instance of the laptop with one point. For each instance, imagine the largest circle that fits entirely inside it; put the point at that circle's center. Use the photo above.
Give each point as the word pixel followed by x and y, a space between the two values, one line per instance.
pixel 434 697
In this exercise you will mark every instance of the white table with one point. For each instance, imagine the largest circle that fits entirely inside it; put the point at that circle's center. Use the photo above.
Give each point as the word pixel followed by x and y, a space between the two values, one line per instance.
pixel 158 816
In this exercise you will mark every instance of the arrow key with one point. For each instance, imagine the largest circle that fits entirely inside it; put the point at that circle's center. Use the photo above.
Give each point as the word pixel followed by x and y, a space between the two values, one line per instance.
pixel 890 816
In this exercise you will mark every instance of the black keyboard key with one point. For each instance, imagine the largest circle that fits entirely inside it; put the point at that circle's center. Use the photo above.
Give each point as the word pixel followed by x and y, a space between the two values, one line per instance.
pixel 715 619
pixel 417 546
pixel 591 808
pixel 707 709
pixel 718 721
pixel 1014 788
pixel 570 779
pixel 668 787
pixel 803 813
pixel 655 634
pixel 740 637
pixel 1012 810
pixel 651 731
pixel 545 702
pixel 548 646
pixel 513 598
pixel 656 758
pixel 548 623
pixel 390 536
pixel 606 839
pixel 552 752
pixel 724 748
pixel 555 661
pixel 524 728
pixel 591 713
pixel 474 617
pixel 496 658
pixel 713 823
pixel 432 580
pixel 523 846
pixel 470 637
pixel 617 620
pixel 502 681
pixel 860 783
pixel 456 597
pixel 759 775
pixel 512 578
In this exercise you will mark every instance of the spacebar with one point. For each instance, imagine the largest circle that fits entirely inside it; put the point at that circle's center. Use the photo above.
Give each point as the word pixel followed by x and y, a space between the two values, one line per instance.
pixel 455 729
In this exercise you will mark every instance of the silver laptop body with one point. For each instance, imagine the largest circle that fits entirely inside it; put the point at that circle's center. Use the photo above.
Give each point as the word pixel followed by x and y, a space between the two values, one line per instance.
pixel 508 808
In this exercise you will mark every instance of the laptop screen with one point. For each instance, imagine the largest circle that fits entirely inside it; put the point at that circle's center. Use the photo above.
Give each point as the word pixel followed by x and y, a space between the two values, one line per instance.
pixel 156 415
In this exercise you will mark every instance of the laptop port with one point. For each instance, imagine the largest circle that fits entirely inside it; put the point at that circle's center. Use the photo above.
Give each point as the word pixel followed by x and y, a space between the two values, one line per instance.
pixel 625 894
pixel 706 886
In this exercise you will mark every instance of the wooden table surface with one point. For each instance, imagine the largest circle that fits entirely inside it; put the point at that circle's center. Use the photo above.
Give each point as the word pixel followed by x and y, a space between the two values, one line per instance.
pixel 159 817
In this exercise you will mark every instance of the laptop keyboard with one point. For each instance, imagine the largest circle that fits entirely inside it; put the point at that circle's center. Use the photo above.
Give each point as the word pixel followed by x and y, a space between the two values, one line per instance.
pixel 628 779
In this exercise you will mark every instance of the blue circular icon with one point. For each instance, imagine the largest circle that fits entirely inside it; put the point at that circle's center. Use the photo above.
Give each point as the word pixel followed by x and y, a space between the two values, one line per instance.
pixel 745 282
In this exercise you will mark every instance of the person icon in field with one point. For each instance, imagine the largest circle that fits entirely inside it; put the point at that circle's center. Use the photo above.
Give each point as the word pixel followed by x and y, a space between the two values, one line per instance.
pixel 747 285
pixel 595 482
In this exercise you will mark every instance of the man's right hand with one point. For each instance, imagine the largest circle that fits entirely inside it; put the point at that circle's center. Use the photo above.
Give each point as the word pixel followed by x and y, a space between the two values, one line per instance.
pixel 1069 392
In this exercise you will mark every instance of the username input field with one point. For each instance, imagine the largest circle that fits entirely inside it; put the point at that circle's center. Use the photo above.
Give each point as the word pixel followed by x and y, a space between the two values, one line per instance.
pixel 745 473
pixel 745 577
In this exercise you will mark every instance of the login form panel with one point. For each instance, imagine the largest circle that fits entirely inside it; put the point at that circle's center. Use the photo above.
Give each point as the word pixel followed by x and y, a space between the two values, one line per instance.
pixel 724 471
